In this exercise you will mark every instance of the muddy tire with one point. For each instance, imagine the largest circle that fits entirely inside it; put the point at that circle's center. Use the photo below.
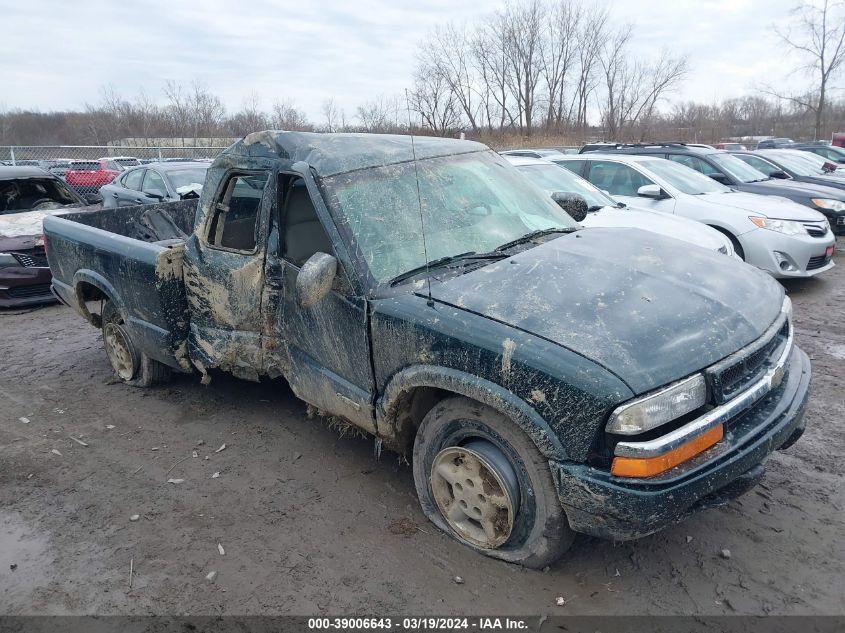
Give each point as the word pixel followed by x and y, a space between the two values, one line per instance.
pixel 129 365
pixel 482 480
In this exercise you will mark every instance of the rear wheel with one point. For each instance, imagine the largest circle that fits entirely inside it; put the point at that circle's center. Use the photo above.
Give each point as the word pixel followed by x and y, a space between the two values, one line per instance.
pixel 132 367
pixel 482 480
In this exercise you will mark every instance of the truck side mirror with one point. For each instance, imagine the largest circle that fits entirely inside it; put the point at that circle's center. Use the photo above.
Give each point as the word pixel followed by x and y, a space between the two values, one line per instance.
pixel 573 203
pixel 314 280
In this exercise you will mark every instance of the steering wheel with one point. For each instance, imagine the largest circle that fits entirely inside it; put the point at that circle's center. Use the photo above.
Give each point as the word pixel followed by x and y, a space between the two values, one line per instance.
pixel 41 201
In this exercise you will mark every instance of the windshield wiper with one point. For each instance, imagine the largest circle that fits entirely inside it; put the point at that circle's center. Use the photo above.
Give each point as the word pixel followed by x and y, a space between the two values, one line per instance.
pixel 442 262
pixel 532 236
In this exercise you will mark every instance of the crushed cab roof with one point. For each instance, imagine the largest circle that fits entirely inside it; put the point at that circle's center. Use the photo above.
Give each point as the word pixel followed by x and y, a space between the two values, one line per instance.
pixel 330 154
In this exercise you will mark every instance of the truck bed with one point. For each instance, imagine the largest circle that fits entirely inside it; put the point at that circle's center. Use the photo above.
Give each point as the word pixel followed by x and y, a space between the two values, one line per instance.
pixel 131 256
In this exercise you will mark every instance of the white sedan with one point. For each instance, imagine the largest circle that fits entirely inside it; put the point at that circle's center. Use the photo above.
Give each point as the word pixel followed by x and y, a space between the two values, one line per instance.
pixel 604 211
pixel 782 237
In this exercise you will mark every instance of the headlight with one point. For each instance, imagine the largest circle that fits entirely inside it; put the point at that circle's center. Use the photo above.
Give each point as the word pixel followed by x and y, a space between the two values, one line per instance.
pixel 787 227
pixel 659 408
pixel 7 259
pixel 827 203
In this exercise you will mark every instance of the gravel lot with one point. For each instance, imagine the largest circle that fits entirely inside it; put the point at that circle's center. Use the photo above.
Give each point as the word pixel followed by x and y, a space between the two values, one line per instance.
pixel 311 522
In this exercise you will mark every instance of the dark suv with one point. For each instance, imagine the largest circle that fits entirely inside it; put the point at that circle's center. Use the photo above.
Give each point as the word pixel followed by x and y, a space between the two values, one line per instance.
pixel 728 169
pixel 775 143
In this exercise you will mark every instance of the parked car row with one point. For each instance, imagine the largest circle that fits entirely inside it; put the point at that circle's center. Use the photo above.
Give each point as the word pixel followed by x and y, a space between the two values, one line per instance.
pixel 772 223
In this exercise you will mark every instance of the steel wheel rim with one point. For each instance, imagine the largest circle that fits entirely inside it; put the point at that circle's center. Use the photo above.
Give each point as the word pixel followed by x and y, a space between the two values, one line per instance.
pixel 118 351
pixel 474 490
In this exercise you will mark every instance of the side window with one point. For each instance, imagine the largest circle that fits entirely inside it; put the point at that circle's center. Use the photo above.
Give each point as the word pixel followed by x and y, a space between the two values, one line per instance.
pixel 616 178
pixel 236 212
pixel 303 233
pixel 154 182
pixel 575 166
pixel 757 163
pixel 132 180
pixel 695 163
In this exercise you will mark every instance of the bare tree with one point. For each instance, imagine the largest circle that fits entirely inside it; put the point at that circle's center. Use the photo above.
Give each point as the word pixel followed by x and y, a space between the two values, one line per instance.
pixel 592 35
pixel 818 35
pixel 449 52
pixel 250 118
pixel 434 101
pixel 331 114
pixel 378 114
pixel 489 46
pixel 521 25
pixel 661 78
pixel 557 57
pixel 286 116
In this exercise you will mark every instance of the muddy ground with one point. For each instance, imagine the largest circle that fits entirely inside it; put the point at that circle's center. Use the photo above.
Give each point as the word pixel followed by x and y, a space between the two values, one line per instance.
pixel 311 522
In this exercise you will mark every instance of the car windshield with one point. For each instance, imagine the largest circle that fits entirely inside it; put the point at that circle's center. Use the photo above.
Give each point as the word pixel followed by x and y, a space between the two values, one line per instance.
pixel 820 162
pixel 185 177
pixel 466 203
pixel 552 178
pixel 740 170
pixel 34 194
pixel 805 164
pixel 684 179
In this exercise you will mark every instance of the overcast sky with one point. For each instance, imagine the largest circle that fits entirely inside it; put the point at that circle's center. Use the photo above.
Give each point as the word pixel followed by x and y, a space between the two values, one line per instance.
pixel 56 54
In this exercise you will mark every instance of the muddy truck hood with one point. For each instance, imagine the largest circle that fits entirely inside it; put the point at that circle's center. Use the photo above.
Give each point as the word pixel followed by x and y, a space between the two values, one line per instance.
pixel 650 310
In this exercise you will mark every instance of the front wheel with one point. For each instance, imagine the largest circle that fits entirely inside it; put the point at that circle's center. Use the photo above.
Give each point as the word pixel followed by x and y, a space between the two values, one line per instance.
pixel 132 367
pixel 481 479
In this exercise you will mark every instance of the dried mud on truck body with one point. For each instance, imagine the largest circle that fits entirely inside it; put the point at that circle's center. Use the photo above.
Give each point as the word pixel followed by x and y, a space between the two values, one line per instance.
pixel 544 379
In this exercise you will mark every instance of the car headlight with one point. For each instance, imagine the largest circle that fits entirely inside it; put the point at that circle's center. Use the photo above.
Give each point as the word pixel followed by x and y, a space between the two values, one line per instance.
pixel 829 204
pixel 787 227
pixel 7 259
pixel 659 408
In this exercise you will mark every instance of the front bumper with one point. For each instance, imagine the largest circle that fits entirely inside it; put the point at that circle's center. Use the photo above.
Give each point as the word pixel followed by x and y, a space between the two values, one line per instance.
pixel 804 255
pixel 602 505
pixel 24 286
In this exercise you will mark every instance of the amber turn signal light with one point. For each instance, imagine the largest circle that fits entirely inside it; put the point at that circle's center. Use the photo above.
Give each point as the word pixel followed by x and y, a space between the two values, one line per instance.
pixel 651 466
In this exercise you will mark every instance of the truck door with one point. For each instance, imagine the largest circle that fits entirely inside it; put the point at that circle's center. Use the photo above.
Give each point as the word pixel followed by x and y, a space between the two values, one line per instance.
pixel 327 344
pixel 224 274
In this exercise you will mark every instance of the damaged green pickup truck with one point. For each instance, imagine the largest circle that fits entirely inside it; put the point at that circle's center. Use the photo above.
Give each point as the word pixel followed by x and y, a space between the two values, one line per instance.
pixel 544 379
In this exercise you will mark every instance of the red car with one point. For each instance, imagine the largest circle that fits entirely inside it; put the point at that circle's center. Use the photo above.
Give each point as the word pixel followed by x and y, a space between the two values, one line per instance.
pixel 87 176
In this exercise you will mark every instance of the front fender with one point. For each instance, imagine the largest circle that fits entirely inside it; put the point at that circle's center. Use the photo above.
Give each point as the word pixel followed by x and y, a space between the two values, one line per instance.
pixel 388 407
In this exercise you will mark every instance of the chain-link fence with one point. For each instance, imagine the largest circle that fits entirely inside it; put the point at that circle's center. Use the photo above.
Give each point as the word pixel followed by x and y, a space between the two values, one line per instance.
pixel 86 168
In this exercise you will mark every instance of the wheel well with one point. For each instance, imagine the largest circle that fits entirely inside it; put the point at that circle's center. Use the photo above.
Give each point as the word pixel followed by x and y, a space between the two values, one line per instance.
pixel 411 407
pixel 731 237
pixel 87 292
